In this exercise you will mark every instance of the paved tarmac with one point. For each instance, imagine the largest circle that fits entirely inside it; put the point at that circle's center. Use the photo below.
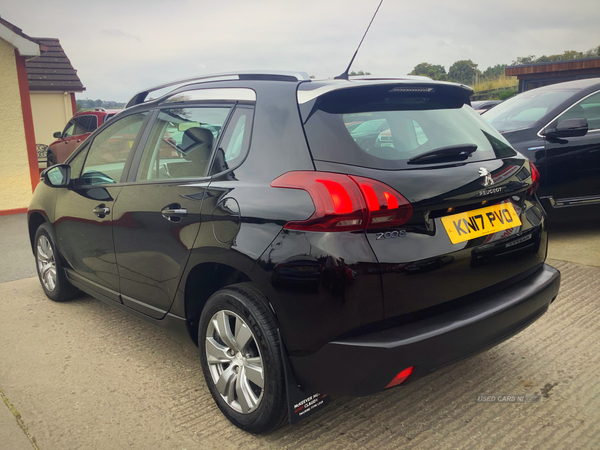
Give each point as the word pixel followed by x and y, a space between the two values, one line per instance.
pixel 84 375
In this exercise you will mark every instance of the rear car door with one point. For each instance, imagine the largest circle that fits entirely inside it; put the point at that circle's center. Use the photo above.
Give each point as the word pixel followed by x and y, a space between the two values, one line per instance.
pixel 573 164
pixel 157 215
pixel 84 214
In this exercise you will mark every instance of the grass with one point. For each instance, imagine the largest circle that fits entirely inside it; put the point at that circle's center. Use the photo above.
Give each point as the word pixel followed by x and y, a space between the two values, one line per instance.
pixel 497 83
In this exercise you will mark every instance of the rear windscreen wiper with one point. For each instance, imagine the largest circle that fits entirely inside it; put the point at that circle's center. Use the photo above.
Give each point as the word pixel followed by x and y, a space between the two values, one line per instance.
pixel 451 152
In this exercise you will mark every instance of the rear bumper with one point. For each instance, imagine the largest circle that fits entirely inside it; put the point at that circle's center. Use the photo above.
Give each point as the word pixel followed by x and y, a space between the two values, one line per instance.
pixel 365 364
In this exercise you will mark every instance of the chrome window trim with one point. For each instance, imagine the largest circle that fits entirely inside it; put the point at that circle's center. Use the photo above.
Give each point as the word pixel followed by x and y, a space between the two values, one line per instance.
pixel 234 94
pixel 539 133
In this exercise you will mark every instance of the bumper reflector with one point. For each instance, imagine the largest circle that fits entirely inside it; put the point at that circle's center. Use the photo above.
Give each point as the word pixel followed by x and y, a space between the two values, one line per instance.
pixel 400 378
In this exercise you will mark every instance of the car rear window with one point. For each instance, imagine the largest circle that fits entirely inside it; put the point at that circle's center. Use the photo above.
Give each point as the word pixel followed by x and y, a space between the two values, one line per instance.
pixel 395 127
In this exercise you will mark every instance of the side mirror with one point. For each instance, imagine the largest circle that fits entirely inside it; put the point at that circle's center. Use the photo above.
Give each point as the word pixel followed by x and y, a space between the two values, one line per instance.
pixel 57 176
pixel 568 128
pixel 57 135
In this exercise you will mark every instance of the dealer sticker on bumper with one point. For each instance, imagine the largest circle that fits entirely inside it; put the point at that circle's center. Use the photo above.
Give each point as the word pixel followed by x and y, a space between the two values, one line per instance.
pixel 480 222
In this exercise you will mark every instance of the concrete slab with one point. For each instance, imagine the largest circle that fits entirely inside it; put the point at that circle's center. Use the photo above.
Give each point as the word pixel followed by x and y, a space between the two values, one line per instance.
pixel 11 435
pixel 86 375
pixel 577 241
pixel 16 258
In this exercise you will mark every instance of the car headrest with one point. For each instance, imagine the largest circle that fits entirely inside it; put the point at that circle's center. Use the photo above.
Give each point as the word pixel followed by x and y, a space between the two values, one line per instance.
pixel 196 136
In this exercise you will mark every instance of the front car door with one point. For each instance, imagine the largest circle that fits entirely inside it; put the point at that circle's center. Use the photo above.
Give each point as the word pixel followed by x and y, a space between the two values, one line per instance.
pixel 157 215
pixel 83 224
pixel 61 148
pixel 573 164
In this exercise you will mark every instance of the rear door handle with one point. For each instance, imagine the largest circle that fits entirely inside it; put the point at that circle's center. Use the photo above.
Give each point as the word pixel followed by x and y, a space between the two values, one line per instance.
pixel 101 211
pixel 174 212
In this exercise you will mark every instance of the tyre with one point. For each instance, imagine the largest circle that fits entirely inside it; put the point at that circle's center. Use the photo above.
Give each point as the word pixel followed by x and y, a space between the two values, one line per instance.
pixel 50 271
pixel 50 159
pixel 241 358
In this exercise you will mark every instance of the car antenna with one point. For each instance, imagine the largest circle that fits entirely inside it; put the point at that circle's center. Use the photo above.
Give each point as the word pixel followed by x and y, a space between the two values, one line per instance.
pixel 344 76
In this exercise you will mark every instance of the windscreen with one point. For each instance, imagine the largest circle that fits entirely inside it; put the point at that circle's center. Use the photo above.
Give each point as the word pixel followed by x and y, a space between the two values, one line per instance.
pixel 386 129
pixel 525 109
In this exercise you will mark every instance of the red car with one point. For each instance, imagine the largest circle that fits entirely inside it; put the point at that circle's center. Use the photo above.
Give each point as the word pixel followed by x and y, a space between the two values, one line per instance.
pixel 76 131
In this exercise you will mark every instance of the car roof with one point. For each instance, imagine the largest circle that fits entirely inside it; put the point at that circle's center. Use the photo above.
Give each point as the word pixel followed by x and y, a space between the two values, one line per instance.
pixel 575 85
pixel 308 88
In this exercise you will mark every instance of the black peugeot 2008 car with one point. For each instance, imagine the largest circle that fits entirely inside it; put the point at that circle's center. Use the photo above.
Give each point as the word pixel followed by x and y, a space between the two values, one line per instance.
pixel 239 209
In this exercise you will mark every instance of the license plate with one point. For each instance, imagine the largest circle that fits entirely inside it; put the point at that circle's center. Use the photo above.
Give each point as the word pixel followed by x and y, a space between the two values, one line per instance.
pixel 480 222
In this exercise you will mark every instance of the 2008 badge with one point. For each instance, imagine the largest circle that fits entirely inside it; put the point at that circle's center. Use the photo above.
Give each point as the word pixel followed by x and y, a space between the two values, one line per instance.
pixel 391 234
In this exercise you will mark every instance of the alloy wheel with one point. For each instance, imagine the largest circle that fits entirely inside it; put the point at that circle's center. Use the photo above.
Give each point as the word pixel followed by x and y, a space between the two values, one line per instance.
pixel 234 361
pixel 46 263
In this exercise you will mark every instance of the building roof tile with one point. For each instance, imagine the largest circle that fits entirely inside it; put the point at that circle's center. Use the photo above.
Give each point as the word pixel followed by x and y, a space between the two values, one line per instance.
pixel 52 71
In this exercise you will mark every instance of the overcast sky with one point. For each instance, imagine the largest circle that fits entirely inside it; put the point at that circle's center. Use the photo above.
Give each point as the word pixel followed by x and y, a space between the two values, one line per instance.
pixel 122 46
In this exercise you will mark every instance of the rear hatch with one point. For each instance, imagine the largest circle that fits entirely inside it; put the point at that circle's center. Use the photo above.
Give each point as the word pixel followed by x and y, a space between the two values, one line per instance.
pixel 475 224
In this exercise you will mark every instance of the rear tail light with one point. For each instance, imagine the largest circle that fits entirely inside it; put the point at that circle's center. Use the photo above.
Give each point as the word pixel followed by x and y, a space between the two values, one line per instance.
pixel 535 179
pixel 386 207
pixel 345 202
pixel 401 377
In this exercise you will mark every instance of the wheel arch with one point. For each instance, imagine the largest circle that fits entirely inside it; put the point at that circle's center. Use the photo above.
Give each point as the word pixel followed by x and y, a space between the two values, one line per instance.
pixel 34 221
pixel 202 281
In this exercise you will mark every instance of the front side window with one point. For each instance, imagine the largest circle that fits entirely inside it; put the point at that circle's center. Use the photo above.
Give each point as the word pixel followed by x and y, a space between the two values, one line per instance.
pixel 68 131
pixel 523 110
pixel 587 109
pixel 110 149
pixel 77 161
pixel 181 143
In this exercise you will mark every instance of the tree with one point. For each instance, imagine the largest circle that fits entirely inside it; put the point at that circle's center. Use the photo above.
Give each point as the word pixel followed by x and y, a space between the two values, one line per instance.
pixel 593 52
pixel 360 72
pixel 436 72
pixel 493 72
pixel 531 59
pixel 463 71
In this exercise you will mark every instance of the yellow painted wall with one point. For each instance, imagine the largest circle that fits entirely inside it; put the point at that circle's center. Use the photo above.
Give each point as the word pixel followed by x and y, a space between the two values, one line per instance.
pixel 15 180
pixel 51 112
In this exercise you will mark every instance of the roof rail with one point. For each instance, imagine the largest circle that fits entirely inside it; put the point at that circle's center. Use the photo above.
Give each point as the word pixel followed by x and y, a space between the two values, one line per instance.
pixel 141 96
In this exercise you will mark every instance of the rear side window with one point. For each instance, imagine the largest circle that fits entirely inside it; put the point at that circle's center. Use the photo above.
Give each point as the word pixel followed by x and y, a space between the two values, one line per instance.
pixel 236 141
pixel 85 124
pixel 396 127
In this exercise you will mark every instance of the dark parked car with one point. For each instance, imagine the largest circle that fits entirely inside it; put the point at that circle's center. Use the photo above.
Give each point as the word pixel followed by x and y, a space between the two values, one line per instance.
pixel 482 106
pixel 558 128
pixel 239 210
pixel 75 132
